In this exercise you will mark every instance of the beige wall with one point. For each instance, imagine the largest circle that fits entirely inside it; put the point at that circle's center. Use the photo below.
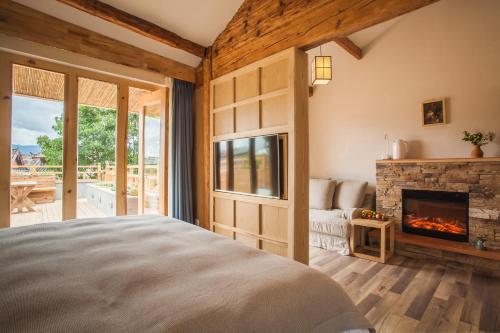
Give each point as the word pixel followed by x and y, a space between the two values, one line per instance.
pixel 449 49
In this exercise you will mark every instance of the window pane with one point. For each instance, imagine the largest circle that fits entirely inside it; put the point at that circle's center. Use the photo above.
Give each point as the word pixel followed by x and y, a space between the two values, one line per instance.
pixel 143 152
pixel 135 107
pixel 97 105
pixel 151 159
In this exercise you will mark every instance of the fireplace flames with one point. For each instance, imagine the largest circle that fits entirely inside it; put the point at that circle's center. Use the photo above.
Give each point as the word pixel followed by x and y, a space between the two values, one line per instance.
pixel 440 224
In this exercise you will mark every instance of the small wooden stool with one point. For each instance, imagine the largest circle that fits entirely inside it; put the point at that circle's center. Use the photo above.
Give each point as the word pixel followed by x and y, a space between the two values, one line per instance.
pixel 360 251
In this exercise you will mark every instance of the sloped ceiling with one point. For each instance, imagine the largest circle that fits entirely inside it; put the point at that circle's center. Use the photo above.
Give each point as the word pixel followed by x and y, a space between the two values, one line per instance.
pixel 366 37
pixel 198 21
pixel 195 20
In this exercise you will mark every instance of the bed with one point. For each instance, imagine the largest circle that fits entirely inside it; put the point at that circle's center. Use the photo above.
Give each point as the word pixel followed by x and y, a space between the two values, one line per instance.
pixel 156 274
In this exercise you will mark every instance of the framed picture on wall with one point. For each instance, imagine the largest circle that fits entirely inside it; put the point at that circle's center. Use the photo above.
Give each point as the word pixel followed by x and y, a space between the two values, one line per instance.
pixel 434 112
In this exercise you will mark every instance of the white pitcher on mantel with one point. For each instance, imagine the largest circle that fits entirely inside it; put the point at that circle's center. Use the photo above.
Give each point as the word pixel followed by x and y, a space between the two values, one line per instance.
pixel 399 149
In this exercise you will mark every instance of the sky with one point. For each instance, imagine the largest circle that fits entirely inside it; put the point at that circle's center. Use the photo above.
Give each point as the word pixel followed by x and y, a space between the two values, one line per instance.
pixel 33 117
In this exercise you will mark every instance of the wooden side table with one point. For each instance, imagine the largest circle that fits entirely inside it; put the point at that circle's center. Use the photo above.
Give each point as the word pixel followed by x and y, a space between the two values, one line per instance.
pixel 360 251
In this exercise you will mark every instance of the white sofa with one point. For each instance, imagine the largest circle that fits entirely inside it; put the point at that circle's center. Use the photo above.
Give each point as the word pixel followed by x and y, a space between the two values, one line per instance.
pixel 332 205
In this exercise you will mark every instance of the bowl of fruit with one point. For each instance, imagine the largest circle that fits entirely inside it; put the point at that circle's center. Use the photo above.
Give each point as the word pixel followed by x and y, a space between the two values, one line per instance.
pixel 373 215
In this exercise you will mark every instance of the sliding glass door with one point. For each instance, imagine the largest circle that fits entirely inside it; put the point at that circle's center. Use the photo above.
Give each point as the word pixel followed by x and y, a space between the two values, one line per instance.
pixel 149 174
pixel 37 146
pixel 97 111
pixel 80 144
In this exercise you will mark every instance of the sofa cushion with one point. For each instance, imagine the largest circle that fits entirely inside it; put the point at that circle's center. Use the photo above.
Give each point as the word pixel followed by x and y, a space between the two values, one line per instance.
pixel 321 193
pixel 349 194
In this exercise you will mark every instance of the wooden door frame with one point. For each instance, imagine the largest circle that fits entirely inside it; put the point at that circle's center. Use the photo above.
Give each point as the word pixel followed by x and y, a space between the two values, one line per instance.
pixel 161 97
pixel 5 139
pixel 7 60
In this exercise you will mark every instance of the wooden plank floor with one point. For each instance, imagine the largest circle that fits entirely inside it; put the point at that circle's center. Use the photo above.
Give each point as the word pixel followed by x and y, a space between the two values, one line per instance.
pixel 415 295
pixel 52 212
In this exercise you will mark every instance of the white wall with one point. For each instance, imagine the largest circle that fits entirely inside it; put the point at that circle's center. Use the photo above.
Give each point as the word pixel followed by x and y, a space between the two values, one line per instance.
pixel 448 49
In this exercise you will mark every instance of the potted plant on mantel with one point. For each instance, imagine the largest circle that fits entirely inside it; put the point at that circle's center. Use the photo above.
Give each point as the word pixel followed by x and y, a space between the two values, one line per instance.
pixel 478 139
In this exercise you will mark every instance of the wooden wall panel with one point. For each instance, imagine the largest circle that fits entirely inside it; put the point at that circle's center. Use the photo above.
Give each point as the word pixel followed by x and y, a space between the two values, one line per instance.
pixel 247 216
pixel 275 111
pixel 247 240
pixel 275 76
pixel 224 232
pixel 223 93
pixel 224 122
pixel 224 211
pixel 275 223
pixel 271 105
pixel 247 85
pixel 272 247
pixel 247 117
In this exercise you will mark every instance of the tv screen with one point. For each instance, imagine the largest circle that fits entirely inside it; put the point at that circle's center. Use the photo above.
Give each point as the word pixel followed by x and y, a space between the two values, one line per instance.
pixel 248 165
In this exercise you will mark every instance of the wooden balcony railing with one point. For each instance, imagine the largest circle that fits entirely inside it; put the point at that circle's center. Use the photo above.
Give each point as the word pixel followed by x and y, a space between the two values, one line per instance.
pixel 89 173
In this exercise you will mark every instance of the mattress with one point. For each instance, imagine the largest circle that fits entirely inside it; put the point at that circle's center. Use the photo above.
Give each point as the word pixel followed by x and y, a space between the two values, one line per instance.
pixel 155 274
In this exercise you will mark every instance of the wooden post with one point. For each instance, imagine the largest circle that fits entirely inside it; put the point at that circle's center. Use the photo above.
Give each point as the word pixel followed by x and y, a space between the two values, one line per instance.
pixel 99 172
pixel 70 147
pixel 162 170
pixel 121 150
pixel 5 139
pixel 383 233
pixel 140 187
pixel 298 157
pixel 391 239
pixel 352 240
pixel 204 212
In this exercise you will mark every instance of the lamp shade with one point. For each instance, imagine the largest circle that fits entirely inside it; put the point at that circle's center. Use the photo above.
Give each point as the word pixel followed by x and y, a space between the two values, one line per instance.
pixel 321 70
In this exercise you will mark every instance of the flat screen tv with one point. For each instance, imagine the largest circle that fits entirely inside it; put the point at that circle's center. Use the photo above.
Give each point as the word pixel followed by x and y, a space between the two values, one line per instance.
pixel 250 166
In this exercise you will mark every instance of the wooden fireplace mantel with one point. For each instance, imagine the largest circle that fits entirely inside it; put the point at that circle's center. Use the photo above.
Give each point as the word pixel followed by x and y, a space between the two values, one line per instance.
pixel 441 160
pixel 441 244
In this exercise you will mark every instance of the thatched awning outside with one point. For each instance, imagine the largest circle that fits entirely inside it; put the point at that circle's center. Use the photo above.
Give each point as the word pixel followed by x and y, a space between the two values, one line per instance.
pixel 34 82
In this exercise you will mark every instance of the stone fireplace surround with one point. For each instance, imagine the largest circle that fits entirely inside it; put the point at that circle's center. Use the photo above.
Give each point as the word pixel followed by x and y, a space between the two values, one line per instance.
pixel 478 177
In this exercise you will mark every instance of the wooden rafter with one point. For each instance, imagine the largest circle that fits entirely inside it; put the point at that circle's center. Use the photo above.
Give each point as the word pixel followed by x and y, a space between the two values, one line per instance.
pixel 136 24
pixel 264 27
pixel 349 46
pixel 26 23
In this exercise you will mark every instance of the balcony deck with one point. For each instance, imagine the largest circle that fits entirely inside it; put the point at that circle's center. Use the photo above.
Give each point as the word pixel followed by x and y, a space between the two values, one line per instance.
pixel 52 212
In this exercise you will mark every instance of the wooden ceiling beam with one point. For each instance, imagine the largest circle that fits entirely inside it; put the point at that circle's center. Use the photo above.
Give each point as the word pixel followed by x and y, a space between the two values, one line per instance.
pixel 264 27
pixel 349 46
pixel 26 23
pixel 136 24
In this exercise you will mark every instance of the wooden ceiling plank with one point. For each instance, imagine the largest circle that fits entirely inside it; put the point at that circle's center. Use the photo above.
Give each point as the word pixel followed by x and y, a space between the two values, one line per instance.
pixel 22 22
pixel 263 27
pixel 136 24
pixel 349 46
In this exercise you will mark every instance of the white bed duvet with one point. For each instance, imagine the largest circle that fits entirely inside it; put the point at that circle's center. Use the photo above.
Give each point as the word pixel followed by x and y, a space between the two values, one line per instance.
pixel 155 274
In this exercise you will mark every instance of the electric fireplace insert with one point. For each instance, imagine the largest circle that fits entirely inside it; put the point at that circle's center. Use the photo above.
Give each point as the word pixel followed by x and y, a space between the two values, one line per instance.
pixel 437 214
